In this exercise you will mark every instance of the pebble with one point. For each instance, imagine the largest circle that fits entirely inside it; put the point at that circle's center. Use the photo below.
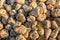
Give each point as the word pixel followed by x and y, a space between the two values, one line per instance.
pixel 34 35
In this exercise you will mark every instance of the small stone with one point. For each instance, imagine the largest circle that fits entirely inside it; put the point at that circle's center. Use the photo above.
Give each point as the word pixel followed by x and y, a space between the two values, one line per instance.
pixel 47 33
pixel 17 23
pixel 21 11
pixel 50 7
pixel 2 3
pixel 26 35
pixel 7 7
pixel 12 12
pixel 4 33
pixel 20 1
pixel 20 37
pixel 4 20
pixel 41 17
pixel 54 24
pixel 40 32
pixel 11 20
pixel 27 8
pixel 52 2
pixel 22 29
pixel 1 26
pixel 47 24
pixel 55 13
pixel 28 24
pixel 31 25
pixel 34 25
pixel 34 35
pixel 17 6
pixel 20 17
pixel 3 13
pixel 8 27
pixel 31 18
pixel 12 2
pixel 35 12
pixel 42 7
pixel 12 33
pixel 40 29
pixel 54 33
pixel 33 4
